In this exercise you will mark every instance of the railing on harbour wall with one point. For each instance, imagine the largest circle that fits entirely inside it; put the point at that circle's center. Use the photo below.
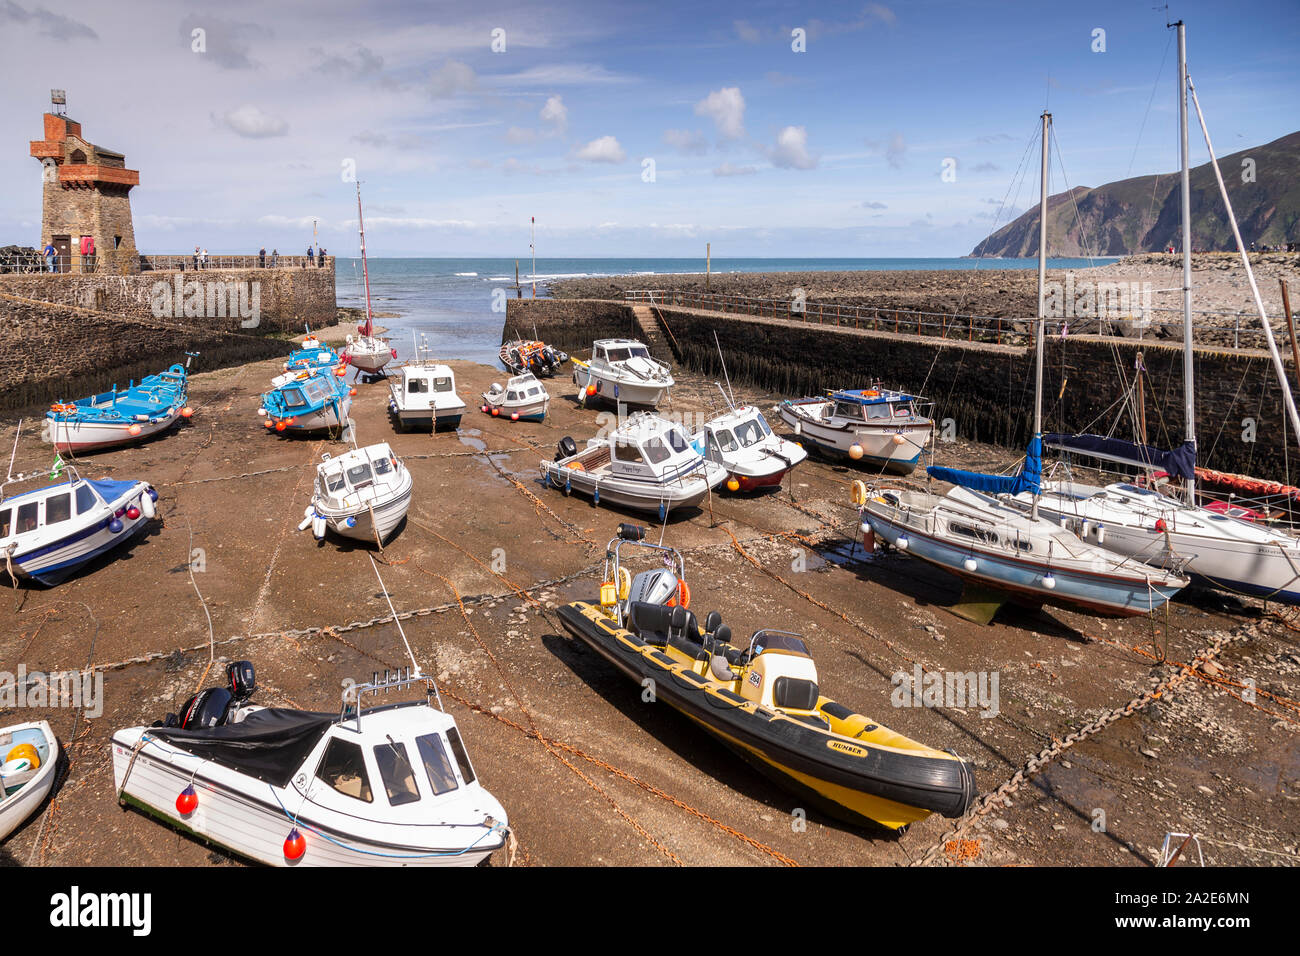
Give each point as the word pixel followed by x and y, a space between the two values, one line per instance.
pixel 1240 329
pixel 31 264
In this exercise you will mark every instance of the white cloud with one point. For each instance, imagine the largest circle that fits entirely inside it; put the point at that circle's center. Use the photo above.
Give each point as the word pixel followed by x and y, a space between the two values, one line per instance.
pixel 791 150
pixel 451 78
pixel 555 113
pixel 252 123
pixel 686 141
pixel 726 169
pixel 726 107
pixel 603 150
pixel 747 31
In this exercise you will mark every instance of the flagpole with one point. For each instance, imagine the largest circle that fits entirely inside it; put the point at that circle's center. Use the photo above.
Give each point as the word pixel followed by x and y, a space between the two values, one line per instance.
pixel 532 247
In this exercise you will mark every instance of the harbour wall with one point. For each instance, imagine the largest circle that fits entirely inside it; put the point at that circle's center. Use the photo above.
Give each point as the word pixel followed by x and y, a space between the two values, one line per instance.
pixel 985 389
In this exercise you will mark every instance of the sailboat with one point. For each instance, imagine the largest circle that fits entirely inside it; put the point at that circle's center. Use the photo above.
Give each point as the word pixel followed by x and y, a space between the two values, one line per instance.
pixel 366 352
pixel 1215 548
pixel 978 532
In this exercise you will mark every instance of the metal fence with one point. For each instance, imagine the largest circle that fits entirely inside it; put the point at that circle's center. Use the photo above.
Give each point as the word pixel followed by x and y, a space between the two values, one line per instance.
pixel 1240 328
pixel 33 263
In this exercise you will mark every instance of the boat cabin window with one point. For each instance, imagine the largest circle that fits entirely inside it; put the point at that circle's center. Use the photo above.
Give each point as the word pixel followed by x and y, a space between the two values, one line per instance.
pixel 535 390
pixel 748 433
pixel 903 411
pixel 397 773
pixel 359 475
pixel 316 391
pixel 512 396
pixel 875 412
pixel 677 440
pixel 334 480
pixel 415 385
pixel 978 534
pixel 26 520
pixel 656 452
pixel 726 440
pixel 618 355
pixel 5 523
pixel 436 764
pixel 442 384
pixel 294 398
pixel 462 758
pixel 382 466
pixel 848 410
pixel 639 351
pixel 58 508
pixel 85 499
pixel 628 451
pixel 344 768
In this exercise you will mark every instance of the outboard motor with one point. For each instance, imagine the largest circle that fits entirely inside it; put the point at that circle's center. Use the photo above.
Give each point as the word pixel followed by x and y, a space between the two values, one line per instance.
pixel 207 708
pixel 653 587
pixel 242 680
pixel 567 448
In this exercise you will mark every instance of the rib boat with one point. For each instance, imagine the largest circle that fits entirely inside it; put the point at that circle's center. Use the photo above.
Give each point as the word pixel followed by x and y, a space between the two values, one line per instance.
pixel 120 417
pixel 382 786
pixel 522 399
pixel 31 756
pixel 874 426
pixel 761 699
pixel 646 464
pixel 520 356
pixel 363 494
pixel 622 371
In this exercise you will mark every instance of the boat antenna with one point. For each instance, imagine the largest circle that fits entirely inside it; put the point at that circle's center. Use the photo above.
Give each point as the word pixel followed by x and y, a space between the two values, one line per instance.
pixel 409 653
pixel 14 453
pixel 365 268
pixel 723 360
pixel 1041 325
pixel 1189 400
pixel 1250 273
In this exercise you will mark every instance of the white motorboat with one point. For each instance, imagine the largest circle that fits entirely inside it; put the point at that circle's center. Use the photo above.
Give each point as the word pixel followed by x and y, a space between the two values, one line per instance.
pixel 878 427
pixel 621 371
pixel 742 442
pixel 647 464
pixel 385 786
pixel 49 533
pixel 522 399
pixel 424 396
pixel 113 418
pixel 31 755
pixel 363 494
pixel 367 352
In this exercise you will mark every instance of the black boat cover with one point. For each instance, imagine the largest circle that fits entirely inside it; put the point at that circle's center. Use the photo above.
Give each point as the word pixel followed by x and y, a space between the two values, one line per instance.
pixel 269 744
pixel 1180 462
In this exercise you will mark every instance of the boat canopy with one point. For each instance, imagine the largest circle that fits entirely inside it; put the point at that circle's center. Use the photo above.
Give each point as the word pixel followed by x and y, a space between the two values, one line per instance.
pixel 872 396
pixel 1180 463
pixel 1029 478
pixel 269 744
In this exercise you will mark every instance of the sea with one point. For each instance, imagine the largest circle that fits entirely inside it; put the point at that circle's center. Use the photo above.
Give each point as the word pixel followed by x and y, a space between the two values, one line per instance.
pixel 456 306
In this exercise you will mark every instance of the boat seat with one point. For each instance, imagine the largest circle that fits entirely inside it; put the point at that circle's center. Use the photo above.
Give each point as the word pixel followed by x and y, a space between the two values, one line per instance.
pixel 794 693
pixel 658 624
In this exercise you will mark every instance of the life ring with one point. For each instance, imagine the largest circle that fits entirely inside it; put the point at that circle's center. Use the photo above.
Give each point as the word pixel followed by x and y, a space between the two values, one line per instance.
pixel 576 466
pixel 683 596
pixel 624 583
pixel 859 493
pixel 63 409
pixel 870 392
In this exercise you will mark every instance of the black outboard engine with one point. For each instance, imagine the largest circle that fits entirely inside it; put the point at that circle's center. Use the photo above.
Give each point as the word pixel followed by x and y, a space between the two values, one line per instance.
pixel 567 448
pixel 207 708
pixel 242 680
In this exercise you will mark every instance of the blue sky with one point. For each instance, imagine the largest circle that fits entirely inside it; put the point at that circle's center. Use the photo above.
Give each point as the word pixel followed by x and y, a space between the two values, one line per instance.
pixel 764 151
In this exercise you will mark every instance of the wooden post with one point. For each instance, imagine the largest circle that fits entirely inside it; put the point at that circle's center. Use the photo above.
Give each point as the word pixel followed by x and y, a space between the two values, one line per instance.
pixel 1290 324
pixel 708 264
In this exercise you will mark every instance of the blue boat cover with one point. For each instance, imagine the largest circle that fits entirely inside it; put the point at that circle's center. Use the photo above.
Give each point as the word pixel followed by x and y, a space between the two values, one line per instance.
pixel 1179 463
pixel 1029 479
pixel 110 489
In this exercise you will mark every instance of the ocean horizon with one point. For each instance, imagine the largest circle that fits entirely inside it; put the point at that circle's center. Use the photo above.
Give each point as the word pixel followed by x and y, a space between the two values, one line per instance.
pixel 450 300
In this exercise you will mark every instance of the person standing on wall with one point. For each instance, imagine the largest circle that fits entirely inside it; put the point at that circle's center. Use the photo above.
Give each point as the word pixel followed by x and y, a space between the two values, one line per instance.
pixel 49 254
pixel 311 257
pixel 203 259
pixel 261 258
pixel 320 258
pixel 275 257
pixel 196 258
pixel 87 253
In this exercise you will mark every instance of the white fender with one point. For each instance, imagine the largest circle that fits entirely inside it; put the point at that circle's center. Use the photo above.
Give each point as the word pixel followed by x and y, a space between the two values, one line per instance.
pixel 147 506
pixel 318 526
pixel 305 523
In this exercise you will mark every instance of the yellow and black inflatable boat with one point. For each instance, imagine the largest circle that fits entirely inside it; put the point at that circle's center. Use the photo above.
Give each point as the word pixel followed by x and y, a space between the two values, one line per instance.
pixel 762 701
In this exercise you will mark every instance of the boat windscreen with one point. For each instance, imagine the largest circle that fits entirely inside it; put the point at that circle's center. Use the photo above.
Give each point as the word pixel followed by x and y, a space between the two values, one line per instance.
pixel 677 440
pixel 749 433
pixel 269 744
pixel 442 384
pixel 294 398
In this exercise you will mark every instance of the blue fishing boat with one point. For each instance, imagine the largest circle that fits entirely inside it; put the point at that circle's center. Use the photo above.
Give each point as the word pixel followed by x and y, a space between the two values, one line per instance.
pixel 49 533
pixel 119 416
pixel 307 401
pixel 312 355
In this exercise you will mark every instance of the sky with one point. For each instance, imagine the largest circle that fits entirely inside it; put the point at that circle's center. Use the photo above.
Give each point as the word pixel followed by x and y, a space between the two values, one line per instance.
pixel 779 129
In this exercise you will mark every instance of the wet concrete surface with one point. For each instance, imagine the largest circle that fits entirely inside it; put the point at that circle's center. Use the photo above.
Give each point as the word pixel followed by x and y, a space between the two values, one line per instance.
pixel 616 781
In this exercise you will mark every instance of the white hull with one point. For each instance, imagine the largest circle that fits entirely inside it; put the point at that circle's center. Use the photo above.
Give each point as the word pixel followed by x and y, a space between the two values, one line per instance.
pixel 387 516
pixel 639 495
pixel 368 354
pixel 327 417
pixel 85 436
pixel 85 538
pixel 620 390
pixel 895 448
pixel 247 816
pixel 21 804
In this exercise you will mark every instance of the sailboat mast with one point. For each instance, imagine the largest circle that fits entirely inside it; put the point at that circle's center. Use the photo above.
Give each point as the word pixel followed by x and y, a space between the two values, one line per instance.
pixel 532 247
pixel 365 268
pixel 1041 328
pixel 1189 388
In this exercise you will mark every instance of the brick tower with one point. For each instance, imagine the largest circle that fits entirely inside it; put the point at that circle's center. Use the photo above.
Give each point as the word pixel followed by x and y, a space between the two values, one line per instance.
pixel 86 192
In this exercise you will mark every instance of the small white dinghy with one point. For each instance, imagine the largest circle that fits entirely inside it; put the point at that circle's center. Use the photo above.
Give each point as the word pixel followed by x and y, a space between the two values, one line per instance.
pixel 363 494
pixel 31 753
pixel 646 464
pixel 522 399
pixel 387 786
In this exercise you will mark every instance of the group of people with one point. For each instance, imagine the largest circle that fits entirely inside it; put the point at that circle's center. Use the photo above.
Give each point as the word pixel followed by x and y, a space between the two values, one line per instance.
pixel 51 255
pixel 315 256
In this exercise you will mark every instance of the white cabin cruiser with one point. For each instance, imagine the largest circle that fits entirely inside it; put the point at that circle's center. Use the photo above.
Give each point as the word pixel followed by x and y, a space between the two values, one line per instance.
pixel 741 441
pixel 51 532
pixel 424 396
pixel 646 464
pixel 876 426
pixel 363 494
pixel 522 399
pixel 385 786
pixel 622 371
pixel 31 754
